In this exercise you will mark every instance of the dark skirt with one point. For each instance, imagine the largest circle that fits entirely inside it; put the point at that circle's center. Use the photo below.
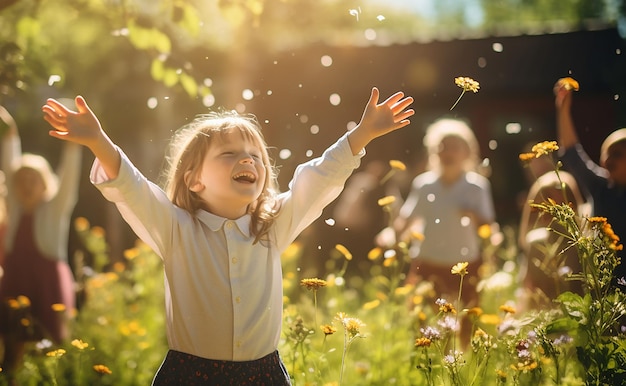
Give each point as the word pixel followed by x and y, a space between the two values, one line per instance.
pixel 185 369
pixel 31 285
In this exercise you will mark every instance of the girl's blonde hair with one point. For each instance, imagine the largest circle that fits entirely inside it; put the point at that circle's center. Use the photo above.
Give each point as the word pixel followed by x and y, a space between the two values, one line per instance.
pixel 190 144
pixel 40 165
pixel 449 127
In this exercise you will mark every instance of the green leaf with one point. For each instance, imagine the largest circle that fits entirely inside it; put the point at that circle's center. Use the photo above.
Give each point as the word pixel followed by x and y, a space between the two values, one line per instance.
pixel 170 77
pixel 157 69
pixel 189 84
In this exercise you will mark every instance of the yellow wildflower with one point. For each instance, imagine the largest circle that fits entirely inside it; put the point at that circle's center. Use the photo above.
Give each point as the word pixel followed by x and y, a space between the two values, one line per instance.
pixel 371 305
pixel 467 84
pixel 24 301
pixel 56 353
pixel 79 344
pixel 58 307
pixel 491 319
pixel 484 231
pixel 398 165
pixel 417 236
pixel 131 253
pixel 526 157
pixel 475 311
pixel 344 251
pixel 447 308
pixel 327 329
pixel 387 200
pixel 353 326
pixel 101 369
pixel 98 232
pixel 375 253
pixel 507 309
pixel 460 268
pixel 81 224
pixel 313 284
pixel 544 148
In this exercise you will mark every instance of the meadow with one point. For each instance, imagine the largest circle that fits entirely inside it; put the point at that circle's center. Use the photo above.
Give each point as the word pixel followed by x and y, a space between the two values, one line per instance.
pixel 343 330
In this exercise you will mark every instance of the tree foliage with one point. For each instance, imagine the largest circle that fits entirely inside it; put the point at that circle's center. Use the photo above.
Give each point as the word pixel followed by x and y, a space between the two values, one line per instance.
pixel 66 42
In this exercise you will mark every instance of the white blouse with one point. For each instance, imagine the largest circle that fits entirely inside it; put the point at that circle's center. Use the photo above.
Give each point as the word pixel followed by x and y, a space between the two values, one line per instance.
pixel 223 294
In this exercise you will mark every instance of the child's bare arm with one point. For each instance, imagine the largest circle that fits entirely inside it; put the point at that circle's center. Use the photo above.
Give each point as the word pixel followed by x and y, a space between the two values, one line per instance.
pixel 380 119
pixel 566 131
pixel 82 127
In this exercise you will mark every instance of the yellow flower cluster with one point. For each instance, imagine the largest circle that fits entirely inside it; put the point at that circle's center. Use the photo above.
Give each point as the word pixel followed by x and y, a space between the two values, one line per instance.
pixel 603 226
pixel 467 84
pixel 539 149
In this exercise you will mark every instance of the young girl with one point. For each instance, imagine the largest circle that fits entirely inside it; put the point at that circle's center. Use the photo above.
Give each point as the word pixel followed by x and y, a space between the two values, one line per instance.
pixel 447 204
pixel 36 270
pixel 220 227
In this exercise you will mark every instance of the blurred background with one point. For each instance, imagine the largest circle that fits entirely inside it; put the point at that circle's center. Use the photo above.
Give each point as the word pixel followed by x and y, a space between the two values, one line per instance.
pixel 305 68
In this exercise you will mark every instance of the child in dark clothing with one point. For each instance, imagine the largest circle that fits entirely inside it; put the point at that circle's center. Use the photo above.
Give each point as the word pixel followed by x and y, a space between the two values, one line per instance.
pixel 606 182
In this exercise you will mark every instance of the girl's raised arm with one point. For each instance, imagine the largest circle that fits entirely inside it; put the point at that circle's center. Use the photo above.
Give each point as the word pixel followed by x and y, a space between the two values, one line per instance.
pixel 82 127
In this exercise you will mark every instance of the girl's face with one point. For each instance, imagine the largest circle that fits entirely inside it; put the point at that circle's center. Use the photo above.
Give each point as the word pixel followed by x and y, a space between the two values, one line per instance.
pixel 453 151
pixel 30 188
pixel 232 175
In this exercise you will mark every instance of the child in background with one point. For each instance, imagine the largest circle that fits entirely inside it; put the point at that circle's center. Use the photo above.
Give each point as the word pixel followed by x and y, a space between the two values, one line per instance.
pixel 446 205
pixel 546 259
pixel 220 227
pixel 606 182
pixel 36 269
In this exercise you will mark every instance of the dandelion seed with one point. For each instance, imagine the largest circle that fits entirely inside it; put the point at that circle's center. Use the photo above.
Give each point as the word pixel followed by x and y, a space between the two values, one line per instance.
pixel 431 333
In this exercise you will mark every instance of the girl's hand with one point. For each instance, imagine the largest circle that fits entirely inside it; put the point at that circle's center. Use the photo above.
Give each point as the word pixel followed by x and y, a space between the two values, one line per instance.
pixel 81 126
pixel 390 115
pixel 380 118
